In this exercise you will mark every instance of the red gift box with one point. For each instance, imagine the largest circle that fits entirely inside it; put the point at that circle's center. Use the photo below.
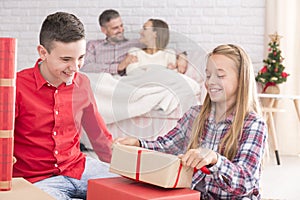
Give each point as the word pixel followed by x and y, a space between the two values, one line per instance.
pixel 122 188
pixel 7 109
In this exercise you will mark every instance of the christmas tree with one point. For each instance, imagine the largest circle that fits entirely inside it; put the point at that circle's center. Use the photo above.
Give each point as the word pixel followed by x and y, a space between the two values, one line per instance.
pixel 273 71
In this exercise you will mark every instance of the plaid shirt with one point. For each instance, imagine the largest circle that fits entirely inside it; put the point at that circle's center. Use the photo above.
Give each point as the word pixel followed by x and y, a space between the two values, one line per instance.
pixel 236 179
pixel 104 56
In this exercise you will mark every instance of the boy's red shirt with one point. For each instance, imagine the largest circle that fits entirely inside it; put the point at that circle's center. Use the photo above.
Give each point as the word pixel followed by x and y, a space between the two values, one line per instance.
pixel 48 125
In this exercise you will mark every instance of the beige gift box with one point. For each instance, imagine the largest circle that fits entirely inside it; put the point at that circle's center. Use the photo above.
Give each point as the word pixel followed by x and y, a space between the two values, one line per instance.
pixel 150 166
pixel 22 189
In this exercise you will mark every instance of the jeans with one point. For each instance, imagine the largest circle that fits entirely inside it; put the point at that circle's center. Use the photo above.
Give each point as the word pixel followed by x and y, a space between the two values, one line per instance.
pixel 66 188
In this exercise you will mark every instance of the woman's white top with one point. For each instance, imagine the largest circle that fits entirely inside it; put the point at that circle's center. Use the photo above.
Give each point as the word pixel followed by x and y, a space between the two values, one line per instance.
pixel 161 58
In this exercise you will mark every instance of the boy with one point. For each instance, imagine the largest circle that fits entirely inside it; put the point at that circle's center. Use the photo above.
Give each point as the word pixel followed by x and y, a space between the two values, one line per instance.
pixel 53 103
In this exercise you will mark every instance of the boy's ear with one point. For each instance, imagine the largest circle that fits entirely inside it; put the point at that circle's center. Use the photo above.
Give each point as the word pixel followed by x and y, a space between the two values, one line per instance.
pixel 42 51
pixel 103 30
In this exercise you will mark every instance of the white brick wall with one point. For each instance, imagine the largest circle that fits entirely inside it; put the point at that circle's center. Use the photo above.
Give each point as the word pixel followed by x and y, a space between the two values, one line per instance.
pixel 206 22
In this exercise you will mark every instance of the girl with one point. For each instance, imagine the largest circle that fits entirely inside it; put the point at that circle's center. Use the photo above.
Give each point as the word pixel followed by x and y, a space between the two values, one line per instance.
pixel 226 133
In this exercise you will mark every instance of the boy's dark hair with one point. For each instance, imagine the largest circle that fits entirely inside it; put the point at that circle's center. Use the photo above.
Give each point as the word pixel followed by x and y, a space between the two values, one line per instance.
pixel 62 27
pixel 107 15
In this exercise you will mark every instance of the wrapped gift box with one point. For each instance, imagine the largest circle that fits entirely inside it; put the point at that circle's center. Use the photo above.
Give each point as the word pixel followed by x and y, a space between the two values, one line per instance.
pixel 7 109
pixel 149 166
pixel 22 189
pixel 122 188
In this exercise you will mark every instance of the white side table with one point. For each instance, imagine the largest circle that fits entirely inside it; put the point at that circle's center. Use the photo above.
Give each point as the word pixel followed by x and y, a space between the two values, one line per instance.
pixel 268 114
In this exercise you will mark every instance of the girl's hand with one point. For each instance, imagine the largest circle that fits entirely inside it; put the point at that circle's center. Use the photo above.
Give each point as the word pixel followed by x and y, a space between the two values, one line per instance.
pixel 131 141
pixel 197 158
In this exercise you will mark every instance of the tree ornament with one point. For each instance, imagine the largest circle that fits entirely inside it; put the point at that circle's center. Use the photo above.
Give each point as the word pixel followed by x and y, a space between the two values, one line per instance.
pixel 275 38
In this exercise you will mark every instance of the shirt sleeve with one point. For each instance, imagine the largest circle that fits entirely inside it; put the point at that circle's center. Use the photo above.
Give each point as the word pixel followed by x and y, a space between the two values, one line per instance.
pixel 175 141
pixel 91 64
pixel 242 174
pixel 96 130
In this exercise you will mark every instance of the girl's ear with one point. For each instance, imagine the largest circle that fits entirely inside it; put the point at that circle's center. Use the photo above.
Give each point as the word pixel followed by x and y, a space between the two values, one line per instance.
pixel 42 52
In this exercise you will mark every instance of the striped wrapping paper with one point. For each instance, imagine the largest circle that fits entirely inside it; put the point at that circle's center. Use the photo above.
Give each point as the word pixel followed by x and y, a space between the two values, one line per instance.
pixel 7 109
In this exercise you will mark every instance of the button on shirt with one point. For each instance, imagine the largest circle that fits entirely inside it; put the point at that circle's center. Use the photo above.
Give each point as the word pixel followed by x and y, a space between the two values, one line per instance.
pixel 242 174
pixel 48 126
pixel 104 56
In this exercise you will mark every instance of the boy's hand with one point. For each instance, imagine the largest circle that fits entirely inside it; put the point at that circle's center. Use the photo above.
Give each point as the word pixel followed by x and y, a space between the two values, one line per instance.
pixel 131 141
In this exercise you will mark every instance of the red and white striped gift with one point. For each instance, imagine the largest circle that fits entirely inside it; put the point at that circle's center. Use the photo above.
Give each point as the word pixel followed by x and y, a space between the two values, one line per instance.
pixel 7 109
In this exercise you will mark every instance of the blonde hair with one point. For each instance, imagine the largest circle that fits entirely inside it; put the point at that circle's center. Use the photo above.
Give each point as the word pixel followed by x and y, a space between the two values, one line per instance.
pixel 246 101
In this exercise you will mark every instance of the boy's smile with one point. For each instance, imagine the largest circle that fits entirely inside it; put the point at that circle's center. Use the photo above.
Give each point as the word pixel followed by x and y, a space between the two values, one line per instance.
pixel 64 60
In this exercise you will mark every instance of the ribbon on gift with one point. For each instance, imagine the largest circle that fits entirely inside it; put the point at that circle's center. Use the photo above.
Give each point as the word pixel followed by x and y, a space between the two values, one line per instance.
pixel 138 168
pixel 5 82
pixel 138 165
